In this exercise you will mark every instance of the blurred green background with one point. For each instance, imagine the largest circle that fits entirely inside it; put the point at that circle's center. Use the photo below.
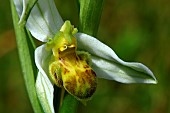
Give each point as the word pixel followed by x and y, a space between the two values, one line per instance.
pixel 138 30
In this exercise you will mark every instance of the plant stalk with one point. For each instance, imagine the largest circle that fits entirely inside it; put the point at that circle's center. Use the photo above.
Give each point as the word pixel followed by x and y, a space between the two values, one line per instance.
pixel 26 49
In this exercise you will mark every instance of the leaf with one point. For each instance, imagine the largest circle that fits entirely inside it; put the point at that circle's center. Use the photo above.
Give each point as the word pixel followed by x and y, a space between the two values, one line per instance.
pixel 109 66
pixel 45 91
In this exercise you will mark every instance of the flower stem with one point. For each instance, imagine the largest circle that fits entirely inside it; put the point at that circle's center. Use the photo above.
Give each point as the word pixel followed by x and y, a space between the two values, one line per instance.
pixel 57 98
pixel 62 96
pixel 26 50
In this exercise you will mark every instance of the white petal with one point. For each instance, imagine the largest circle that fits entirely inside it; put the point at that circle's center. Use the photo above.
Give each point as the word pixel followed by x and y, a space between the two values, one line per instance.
pixel 105 55
pixel 114 71
pixel 44 20
pixel 42 58
pixel 45 91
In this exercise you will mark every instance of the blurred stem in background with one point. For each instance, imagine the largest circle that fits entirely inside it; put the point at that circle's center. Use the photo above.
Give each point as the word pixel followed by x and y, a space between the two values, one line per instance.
pixel 89 19
pixel 89 16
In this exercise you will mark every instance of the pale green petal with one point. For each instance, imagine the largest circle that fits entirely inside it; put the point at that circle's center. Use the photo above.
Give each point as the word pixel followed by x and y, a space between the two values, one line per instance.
pixel 45 91
pixel 44 20
pixel 109 66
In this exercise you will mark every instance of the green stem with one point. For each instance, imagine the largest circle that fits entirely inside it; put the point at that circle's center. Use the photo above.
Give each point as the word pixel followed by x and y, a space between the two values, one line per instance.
pixel 26 50
pixel 89 16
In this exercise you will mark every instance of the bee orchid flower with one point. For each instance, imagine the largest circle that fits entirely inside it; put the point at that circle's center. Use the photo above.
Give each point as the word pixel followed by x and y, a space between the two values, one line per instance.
pixel 71 59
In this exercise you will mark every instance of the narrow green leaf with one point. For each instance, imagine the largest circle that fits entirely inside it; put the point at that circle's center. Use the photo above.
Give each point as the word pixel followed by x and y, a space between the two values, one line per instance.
pixel 26 59
pixel 89 17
